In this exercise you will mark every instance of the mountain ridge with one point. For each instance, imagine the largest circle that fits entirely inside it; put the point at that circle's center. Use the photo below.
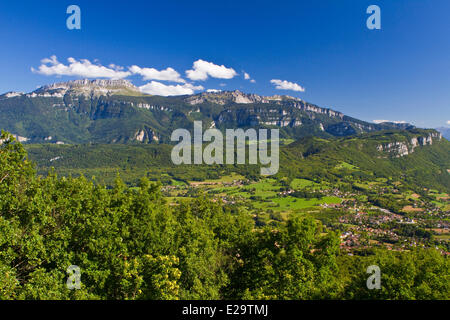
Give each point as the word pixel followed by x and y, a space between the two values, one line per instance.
pixel 115 111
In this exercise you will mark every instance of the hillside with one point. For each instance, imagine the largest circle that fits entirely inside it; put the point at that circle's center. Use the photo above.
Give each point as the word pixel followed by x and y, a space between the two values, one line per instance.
pixel 418 156
pixel 114 111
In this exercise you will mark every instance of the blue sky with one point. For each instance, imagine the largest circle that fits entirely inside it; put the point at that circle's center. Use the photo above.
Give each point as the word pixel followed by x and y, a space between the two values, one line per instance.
pixel 401 72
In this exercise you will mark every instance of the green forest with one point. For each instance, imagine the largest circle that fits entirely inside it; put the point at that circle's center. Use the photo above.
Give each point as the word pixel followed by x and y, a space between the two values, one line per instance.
pixel 132 243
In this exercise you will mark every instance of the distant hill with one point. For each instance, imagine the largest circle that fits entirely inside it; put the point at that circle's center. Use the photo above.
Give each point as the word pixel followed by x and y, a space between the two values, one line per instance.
pixel 115 111
pixel 445 132
pixel 417 156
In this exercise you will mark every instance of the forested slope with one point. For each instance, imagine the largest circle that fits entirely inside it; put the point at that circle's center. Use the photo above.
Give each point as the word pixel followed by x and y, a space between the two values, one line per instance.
pixel 130 244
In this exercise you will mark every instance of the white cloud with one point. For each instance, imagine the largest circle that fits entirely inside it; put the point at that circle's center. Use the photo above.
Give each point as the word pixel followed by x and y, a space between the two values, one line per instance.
pixel 112 66
pixel 392 121
pixel 448 122
pixel 213 90
pixel 160 89
pixel 202 69
pixel 248 77
pixel 168 74
pixel 286 85
pixel 82 68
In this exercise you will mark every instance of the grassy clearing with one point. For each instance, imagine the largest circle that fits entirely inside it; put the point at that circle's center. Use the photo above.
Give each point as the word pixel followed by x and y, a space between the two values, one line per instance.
pixel 298 184
pixel 345 165
pixel 289 204
pixel 442 237
pixel 174 182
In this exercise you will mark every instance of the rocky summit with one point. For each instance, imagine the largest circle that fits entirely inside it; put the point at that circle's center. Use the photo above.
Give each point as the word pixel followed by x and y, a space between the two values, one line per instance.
pixel 115 111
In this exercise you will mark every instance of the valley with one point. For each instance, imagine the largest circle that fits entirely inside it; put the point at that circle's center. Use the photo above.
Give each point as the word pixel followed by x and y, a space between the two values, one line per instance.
pixel 374 196
pixel 90 179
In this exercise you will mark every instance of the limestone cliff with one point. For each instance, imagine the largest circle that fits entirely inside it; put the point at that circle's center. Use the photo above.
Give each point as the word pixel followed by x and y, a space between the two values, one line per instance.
pixel 403 148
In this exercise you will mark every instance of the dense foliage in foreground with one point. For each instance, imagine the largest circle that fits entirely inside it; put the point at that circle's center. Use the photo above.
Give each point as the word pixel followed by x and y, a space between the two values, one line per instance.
pixel 130 244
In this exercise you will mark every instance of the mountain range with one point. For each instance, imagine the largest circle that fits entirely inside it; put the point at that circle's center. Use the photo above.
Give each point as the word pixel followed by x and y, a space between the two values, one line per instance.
pixel 115 111
pixel 96 127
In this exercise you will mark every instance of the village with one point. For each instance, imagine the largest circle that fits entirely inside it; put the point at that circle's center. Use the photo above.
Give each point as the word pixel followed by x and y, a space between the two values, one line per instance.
pixel 361 224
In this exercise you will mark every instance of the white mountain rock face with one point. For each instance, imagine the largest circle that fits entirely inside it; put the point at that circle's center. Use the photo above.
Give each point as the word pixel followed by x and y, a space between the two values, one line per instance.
pixel 13 94
pixel 242 99
pixel 79 87
pixel 145 135
pixel 86 88
pixel 225 97
pixel 401 149
pixel 139 136
pixel 85 83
